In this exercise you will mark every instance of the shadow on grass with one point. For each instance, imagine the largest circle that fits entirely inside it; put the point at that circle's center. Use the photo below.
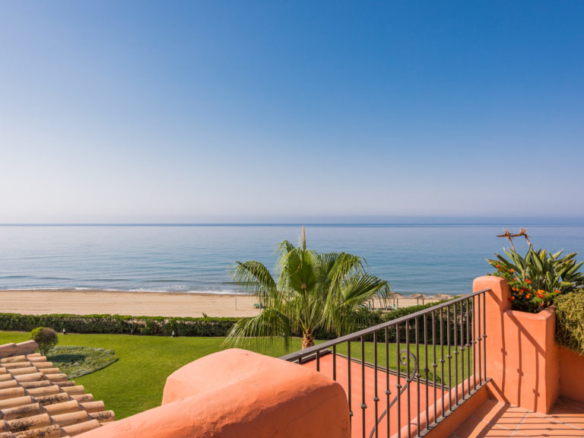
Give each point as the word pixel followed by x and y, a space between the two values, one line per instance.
pixel 79 361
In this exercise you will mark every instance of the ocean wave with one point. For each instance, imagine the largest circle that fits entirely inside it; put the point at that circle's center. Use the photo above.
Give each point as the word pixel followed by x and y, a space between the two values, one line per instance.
pixel 146 290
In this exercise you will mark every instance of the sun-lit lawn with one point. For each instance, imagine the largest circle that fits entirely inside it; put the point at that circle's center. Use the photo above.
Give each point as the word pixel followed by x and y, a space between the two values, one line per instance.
pixel 135 382
pixel 420 353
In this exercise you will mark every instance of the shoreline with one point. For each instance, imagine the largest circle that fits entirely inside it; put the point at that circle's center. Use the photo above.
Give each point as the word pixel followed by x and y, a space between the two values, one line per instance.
pixel 165 304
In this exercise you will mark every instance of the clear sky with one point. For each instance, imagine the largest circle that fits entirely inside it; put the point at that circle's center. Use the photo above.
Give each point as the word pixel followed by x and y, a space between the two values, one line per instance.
pixel 171 111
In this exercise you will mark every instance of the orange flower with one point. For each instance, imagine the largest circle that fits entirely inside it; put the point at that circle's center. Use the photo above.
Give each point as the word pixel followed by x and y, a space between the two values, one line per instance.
pixel 540 304
pixel 512 270
pixel 528 296
pixel 557 291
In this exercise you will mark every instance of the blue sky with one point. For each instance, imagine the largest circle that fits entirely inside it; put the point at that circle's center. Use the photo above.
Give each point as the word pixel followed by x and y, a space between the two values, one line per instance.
pixel 142 111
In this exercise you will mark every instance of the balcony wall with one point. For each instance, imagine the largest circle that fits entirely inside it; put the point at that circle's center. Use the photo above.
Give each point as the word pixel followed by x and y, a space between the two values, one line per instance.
pixel 526 366
pixel 238 394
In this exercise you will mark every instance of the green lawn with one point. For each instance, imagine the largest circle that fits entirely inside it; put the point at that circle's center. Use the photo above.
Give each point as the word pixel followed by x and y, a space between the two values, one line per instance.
pixel 421 354
pixel 135 382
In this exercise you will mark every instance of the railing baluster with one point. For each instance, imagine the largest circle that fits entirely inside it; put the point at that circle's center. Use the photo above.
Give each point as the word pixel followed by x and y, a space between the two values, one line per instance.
pixel 442 359
pixel 387 390
pixel 462 347
pixel 479 339
pixel 335 363
pixel 426 370
pixel 469 344
pixel 398 385
pixel 363 404
pixel 375 398
pixel 349 389
pixel 318 361
pixel 485 334
pixel 476 344
pixel 434 366
pixel 408 377
pixel 417 374
pixel 455 355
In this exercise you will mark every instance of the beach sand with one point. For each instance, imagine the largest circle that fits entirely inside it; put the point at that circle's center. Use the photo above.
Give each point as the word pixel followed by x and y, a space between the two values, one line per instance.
pixel 36 302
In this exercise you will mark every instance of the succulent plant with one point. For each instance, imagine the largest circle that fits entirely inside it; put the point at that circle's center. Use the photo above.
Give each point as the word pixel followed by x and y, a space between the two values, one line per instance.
pixel 537 278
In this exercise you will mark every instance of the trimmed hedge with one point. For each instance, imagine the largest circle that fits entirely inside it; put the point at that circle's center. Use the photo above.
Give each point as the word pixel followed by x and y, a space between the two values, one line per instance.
pixel 372 318
pixel 119 324
pixel 163 326
pixel 570 320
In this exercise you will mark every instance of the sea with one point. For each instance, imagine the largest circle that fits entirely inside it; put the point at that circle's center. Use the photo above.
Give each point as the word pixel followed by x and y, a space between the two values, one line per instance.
pixel 426 258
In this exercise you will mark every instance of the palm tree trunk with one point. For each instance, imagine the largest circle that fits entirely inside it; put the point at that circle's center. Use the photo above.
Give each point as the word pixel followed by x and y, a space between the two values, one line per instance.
pixel 307 340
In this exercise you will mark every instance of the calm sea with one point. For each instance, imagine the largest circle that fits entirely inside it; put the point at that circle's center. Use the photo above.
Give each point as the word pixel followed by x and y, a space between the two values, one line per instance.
pixel 422 258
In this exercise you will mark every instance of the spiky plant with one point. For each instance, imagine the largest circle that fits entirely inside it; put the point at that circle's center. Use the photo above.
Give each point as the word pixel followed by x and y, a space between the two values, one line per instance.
pixel 537 278
pixel 313 291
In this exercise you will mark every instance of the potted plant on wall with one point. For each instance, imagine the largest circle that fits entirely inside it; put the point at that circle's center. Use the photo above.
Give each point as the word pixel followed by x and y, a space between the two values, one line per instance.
pixel 537 278
pixel 524 359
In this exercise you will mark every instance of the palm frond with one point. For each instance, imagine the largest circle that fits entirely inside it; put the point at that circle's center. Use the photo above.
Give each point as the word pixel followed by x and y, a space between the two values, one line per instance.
pixel 264 329
pixel 362 288
pixel 345 265
pixel 255 278
pixel 298 271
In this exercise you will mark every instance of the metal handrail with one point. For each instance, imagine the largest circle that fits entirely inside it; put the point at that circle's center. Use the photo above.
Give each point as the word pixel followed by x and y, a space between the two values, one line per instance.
pixel 464 318
pixel 292 357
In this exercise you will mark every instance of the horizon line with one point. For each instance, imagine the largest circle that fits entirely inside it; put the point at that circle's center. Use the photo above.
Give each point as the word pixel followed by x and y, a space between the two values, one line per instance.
pixel 571 222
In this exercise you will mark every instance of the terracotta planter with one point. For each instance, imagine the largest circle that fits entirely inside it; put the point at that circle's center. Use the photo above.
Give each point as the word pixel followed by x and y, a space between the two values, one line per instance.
pixel 522 356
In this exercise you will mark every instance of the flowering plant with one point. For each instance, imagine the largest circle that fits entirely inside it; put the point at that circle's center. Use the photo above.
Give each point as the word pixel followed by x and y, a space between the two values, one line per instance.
pixel 538 278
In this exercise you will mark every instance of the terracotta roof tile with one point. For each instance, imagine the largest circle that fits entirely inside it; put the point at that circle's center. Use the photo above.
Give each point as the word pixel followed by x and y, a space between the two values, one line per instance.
pixel 38 401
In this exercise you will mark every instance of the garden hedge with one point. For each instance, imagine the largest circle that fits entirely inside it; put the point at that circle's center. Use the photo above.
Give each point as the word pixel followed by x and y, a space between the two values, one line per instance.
pixel 119 324
pixel 570 320
pixel 163 326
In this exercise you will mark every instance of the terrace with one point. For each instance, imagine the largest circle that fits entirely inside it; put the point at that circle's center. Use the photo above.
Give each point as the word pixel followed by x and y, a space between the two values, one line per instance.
pixel 470 367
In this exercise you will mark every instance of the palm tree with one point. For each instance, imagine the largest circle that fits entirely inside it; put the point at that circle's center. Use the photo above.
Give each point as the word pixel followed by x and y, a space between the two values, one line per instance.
pixel 314 291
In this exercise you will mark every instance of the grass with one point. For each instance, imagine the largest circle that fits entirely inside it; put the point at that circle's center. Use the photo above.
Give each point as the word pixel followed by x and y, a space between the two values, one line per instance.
pixel 136 381
pixel 421 355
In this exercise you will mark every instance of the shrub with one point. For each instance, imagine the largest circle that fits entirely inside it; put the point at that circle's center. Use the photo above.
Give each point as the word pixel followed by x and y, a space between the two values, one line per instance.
pixel 537 279
pixel 46 338
pixel 119 324
pixel 372 318
pixel 156 325
pixel 570 321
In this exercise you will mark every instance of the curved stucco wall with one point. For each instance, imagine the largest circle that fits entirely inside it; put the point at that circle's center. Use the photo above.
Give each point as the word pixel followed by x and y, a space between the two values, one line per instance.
pixel 237 393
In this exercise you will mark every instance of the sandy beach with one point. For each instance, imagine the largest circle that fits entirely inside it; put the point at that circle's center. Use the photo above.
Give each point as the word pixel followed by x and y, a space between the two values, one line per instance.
pixel 37 302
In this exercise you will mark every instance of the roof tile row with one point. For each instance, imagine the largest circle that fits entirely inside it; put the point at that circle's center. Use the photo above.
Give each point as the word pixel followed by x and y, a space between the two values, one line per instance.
pixel 38 401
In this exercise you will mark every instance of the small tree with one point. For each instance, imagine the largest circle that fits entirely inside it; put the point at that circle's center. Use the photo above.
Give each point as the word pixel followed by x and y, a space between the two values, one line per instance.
pixel 314 291
pixel 46 338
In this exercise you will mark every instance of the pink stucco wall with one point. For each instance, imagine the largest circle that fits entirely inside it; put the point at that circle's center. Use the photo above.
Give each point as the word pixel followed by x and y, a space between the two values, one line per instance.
pixel 522 356
pixel 237 393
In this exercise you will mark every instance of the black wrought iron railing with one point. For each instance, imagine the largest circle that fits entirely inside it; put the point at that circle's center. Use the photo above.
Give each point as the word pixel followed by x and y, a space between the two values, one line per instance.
pixel 408 374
